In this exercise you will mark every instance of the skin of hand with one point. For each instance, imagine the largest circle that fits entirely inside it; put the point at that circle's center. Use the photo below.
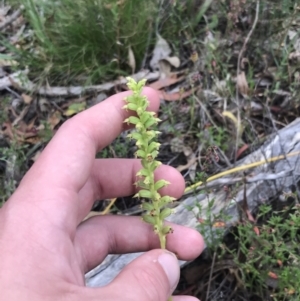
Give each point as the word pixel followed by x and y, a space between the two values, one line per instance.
pixel 46 248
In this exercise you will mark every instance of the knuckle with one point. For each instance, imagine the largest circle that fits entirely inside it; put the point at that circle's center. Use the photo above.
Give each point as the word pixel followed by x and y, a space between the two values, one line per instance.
pixel 68 124
pixel 73 125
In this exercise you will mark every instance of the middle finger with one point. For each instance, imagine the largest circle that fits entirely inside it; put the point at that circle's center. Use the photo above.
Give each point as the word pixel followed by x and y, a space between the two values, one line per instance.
pixel 112 178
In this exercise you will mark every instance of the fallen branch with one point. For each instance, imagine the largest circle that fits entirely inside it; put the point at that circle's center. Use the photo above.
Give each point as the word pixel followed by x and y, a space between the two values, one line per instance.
pixel 259 184
pixel 11 18
pixel 15 78
pixel 18 81
pixel 238 71
pixel 248 38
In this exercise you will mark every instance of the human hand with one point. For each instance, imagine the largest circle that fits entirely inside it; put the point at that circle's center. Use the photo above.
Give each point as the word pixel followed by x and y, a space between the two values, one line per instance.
pixel 46 248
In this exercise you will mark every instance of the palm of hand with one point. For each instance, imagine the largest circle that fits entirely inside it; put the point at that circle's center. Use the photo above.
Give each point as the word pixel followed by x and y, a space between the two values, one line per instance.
pixel 46 246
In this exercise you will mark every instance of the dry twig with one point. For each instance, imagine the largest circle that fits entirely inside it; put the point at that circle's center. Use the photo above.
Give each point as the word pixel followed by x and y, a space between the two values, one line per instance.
pixel 12 18
pixel 239 69
pixel 20 80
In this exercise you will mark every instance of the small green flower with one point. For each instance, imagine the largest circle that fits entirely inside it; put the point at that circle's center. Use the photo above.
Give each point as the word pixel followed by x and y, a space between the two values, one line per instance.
pixel 148 148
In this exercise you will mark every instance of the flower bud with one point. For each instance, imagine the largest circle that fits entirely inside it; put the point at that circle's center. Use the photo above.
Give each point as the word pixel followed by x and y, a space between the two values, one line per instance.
pixel 132 120
pixel 149 219
pixel 167 230
pixel 165 213
pixel 144 194
pixel 147 206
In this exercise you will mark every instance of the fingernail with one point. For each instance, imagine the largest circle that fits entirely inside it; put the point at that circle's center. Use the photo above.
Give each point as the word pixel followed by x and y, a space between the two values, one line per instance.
pixel 169 263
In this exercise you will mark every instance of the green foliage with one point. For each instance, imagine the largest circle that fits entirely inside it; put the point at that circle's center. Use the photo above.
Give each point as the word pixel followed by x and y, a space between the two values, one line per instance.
pixel 46 133
pixel 212 235
pixel 147 151
pixel 13 157
pixel 3 109
pixel 91 38
pixel 182 19
pixel 200 177
pixel 88 41
pixel 218 136
pixel 272 254
pixel 265 253
pixel 119 149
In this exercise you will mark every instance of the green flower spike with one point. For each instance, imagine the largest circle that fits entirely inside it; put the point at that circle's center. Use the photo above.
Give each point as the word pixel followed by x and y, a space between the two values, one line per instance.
pixel 156 210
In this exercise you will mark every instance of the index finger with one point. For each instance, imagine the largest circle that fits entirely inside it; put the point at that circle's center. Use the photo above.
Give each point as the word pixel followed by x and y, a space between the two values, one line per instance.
pixel 68 159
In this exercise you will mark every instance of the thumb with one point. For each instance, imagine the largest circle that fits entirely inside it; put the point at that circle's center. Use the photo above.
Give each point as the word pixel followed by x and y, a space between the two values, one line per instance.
pixel 152 276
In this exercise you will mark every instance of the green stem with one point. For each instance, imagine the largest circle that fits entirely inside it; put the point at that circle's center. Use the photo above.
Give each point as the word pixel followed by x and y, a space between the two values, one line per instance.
pixel 159 222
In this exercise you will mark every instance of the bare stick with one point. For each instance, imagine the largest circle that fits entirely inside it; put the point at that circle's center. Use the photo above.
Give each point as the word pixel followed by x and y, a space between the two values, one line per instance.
pixel 210 275
pixel 239 69
pixel 248 37
pixel 21 82
pixel 12 18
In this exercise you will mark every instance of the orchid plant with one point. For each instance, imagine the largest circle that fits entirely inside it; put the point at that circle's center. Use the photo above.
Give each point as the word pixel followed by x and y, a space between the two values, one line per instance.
pixel 148 148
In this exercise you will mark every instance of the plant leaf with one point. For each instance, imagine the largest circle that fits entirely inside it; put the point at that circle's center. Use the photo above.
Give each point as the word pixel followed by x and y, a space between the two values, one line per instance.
pixel 75 108
pixel 237 123
pixel 167 230
pixel 161 51
pixel 173 60
pixel 131 59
